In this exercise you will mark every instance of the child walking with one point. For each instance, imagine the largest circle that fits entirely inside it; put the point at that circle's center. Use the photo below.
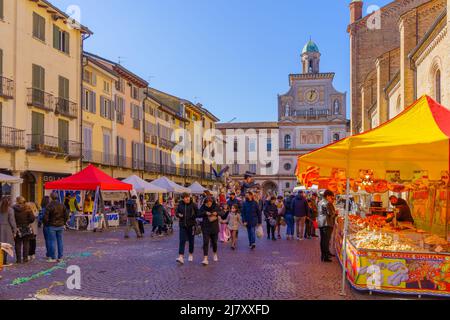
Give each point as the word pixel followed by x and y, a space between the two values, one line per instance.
pixel 234 221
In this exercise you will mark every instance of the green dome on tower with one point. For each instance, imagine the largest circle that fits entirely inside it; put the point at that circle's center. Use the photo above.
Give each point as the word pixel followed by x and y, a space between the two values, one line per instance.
pixel 310 47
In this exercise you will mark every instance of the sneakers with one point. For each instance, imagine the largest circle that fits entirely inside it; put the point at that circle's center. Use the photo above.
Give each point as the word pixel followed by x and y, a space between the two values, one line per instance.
pixel 205 261
pixel 50 260
pixel 191 258
pixel 180 260
pixel 253 246
pixel 216 258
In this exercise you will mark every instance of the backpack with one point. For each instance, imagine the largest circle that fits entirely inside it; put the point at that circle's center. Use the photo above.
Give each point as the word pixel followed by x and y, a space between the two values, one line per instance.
pixel 131 208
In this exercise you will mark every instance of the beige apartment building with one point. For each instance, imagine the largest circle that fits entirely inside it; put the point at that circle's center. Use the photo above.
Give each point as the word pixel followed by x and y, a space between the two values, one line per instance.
pixel 40 69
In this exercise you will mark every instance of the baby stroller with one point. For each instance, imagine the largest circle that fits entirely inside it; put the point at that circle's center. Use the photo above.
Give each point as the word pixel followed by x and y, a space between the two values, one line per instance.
pixel 168 223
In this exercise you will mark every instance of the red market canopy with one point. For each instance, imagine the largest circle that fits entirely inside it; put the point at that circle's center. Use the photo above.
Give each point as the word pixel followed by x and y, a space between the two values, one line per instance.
pixel 89 179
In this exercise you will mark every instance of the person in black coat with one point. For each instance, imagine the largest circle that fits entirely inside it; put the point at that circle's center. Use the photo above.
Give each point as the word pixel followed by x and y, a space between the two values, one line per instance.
pixel 271 214
pixel 210 213
pixel 187 213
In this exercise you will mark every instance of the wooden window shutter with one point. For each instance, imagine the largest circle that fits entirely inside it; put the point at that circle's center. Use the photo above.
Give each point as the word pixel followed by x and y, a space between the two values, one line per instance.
pixel 1 9
pixel 1 60
pixel 66 42
pixel 102 107
pixel 56 38
pixel 94 102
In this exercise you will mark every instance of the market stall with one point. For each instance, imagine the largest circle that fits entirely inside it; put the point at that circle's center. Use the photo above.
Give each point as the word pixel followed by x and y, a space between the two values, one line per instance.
pixel 197 188
pixel 142 186
pixel 409 157
pixel 105 187
pixel 170 186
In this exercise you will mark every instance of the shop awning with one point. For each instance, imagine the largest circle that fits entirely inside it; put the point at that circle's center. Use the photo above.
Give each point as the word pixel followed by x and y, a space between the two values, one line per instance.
pixel 415 140
pixel 143 186
pixel 89 179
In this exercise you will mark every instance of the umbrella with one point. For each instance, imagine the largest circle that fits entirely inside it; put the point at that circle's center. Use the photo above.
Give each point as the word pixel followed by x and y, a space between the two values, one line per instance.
pixel 170 186
pixel 143 186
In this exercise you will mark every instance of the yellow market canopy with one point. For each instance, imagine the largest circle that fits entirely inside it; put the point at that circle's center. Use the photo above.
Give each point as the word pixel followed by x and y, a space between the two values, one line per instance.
pixel 415 140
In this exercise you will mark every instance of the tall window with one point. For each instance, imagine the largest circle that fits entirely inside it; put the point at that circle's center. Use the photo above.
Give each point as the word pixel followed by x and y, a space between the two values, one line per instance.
pixel 38 27
pixel 269 145
pixel 287 142
pixel 63 135
pixel 87 143
pixel 89 101
pixel 61 40
pixel 438 85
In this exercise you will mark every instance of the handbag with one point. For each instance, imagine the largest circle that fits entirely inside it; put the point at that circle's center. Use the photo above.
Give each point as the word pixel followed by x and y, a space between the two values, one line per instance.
pixel 25 232
pixel 273 222
pixel 259 232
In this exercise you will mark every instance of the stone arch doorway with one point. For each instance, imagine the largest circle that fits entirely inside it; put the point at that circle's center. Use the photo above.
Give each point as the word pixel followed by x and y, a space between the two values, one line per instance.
pixel 28 190
pixel 270 187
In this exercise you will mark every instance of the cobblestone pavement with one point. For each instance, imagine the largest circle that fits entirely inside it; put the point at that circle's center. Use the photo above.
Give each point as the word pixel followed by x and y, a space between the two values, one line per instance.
pixel 115 268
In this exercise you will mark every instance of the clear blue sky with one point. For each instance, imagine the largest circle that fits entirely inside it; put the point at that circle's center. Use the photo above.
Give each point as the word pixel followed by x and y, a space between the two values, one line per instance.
pixel 233 56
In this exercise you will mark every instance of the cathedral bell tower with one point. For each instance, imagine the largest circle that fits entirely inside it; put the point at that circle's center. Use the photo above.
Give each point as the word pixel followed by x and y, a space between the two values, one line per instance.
pixel 311 58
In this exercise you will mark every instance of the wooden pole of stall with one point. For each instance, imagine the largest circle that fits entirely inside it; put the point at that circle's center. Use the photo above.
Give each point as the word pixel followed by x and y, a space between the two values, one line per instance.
pixel 344 242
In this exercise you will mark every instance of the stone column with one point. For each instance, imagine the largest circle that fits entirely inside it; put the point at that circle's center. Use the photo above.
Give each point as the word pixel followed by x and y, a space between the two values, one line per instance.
pixel 16 188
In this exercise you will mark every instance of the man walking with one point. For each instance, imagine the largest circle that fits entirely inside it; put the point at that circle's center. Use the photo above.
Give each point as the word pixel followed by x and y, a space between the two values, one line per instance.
pixel 55 218
pixel 132 214
pixel 251 217
pixel 300 210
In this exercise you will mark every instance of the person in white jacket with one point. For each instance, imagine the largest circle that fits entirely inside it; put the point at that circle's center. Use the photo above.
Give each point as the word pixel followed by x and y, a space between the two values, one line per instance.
pixel 234 221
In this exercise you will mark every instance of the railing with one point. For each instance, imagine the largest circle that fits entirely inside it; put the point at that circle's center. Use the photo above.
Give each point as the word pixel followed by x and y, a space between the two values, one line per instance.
pixel 166 144
pixel 40 99
pixel 12 138
pixel 67 108
pixel 138 164
pixel 313 113
pixel 6 88
pixel 53 145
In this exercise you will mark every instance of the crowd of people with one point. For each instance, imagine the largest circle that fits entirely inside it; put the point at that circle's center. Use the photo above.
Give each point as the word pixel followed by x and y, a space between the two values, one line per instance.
pixel 19 227
pixel 298 216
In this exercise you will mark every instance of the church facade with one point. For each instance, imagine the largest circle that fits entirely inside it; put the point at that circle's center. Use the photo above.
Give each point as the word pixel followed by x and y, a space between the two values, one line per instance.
pixel 311 114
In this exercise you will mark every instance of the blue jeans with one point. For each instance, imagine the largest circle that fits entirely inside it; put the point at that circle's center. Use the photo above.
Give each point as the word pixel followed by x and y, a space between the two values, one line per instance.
pixel 290 225
pixel 47 242
pixel 251 234
pixel 72 219
pixel 56 236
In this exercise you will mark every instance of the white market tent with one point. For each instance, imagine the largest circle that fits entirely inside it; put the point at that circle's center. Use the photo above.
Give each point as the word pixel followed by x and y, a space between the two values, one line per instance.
pixel 197 188
pixel 142 186
pixel 4 178
pixel 170 186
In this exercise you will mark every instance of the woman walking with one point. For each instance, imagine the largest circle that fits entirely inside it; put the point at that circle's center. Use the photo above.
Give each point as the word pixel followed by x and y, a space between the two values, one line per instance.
pixel 158 213
pixel 8 227
pixel 234 221
pixel 24 218
pixel 326 219
pixel 210 213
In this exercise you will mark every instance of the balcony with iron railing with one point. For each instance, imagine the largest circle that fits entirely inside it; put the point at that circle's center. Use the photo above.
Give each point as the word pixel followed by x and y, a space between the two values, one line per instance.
pixel 66 108
pixel 166 144
pixel 313 113
pixel 54 146
pixel 12 138
pixel 40 99
pixel 6 88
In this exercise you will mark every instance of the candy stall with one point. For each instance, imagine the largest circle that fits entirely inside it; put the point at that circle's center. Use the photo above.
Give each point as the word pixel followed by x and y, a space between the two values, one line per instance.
pixel 401 167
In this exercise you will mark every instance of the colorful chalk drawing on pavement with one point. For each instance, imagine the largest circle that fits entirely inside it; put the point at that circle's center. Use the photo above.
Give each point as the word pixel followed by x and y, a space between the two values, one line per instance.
pixel 49 272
